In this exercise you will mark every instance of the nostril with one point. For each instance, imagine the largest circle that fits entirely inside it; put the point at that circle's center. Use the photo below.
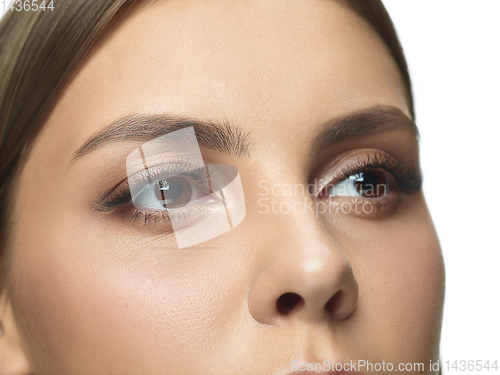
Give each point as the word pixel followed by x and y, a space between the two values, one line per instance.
pixel 287 302
pixel 335 302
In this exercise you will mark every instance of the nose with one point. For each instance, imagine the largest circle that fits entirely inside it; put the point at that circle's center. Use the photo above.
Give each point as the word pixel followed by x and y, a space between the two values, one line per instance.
pixel 304 274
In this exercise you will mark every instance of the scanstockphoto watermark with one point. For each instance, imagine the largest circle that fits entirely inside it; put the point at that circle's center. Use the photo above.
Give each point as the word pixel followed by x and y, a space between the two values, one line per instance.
pixel 363 365
pixel 463 366
pixel 273 198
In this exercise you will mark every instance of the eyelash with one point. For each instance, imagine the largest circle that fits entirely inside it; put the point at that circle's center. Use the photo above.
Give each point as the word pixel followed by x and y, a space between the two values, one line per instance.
pixel 122 197
pixel 408 178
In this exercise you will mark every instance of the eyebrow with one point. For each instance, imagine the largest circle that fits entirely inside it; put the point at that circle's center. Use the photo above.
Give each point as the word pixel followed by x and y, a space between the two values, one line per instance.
pixel 377 119
pixel 229 139
pixel 219 136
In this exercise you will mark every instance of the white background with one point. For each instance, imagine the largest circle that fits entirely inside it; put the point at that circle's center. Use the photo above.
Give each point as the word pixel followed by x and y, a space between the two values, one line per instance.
pixel 452 48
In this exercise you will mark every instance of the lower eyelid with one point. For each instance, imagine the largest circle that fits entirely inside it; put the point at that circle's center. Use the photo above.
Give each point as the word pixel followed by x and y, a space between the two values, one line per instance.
pixel 366 208
pixel 184 216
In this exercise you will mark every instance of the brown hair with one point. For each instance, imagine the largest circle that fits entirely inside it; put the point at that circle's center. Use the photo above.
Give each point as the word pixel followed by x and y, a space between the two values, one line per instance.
pixel 39 53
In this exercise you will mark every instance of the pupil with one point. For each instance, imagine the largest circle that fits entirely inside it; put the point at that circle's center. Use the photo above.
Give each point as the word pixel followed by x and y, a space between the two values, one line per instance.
pixel 371 184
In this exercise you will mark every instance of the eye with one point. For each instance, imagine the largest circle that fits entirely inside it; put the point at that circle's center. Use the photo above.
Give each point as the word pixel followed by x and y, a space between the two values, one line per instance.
pixel 372 183
pixel 169 193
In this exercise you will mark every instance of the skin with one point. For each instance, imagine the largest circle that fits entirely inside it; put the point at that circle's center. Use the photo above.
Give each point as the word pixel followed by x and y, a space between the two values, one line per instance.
pixel 94 294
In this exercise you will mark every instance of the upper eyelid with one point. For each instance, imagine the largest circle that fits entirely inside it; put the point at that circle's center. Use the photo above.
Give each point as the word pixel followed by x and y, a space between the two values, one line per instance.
pixel 351 170
pixel 155 173
pixel 386 161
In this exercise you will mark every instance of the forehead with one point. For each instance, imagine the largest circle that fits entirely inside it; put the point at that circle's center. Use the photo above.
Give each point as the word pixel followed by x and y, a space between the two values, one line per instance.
pixel 258 63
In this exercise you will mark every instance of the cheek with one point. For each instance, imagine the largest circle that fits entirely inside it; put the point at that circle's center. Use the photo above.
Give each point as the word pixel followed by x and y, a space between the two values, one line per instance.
pixel 402 292
pixel 85 293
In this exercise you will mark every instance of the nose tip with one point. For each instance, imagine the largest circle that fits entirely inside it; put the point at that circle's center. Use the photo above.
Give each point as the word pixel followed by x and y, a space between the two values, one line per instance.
pixel 311 284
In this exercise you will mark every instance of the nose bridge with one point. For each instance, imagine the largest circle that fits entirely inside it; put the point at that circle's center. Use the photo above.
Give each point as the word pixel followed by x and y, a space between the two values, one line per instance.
pixel 304 272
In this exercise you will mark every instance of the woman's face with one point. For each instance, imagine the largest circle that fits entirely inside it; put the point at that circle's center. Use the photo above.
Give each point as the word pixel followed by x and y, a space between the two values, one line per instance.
pixel 317 98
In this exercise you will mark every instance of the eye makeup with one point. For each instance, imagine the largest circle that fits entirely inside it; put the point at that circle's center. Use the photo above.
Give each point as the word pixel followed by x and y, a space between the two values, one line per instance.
pixel 390 178
pixel 120 199
pixel 408 178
